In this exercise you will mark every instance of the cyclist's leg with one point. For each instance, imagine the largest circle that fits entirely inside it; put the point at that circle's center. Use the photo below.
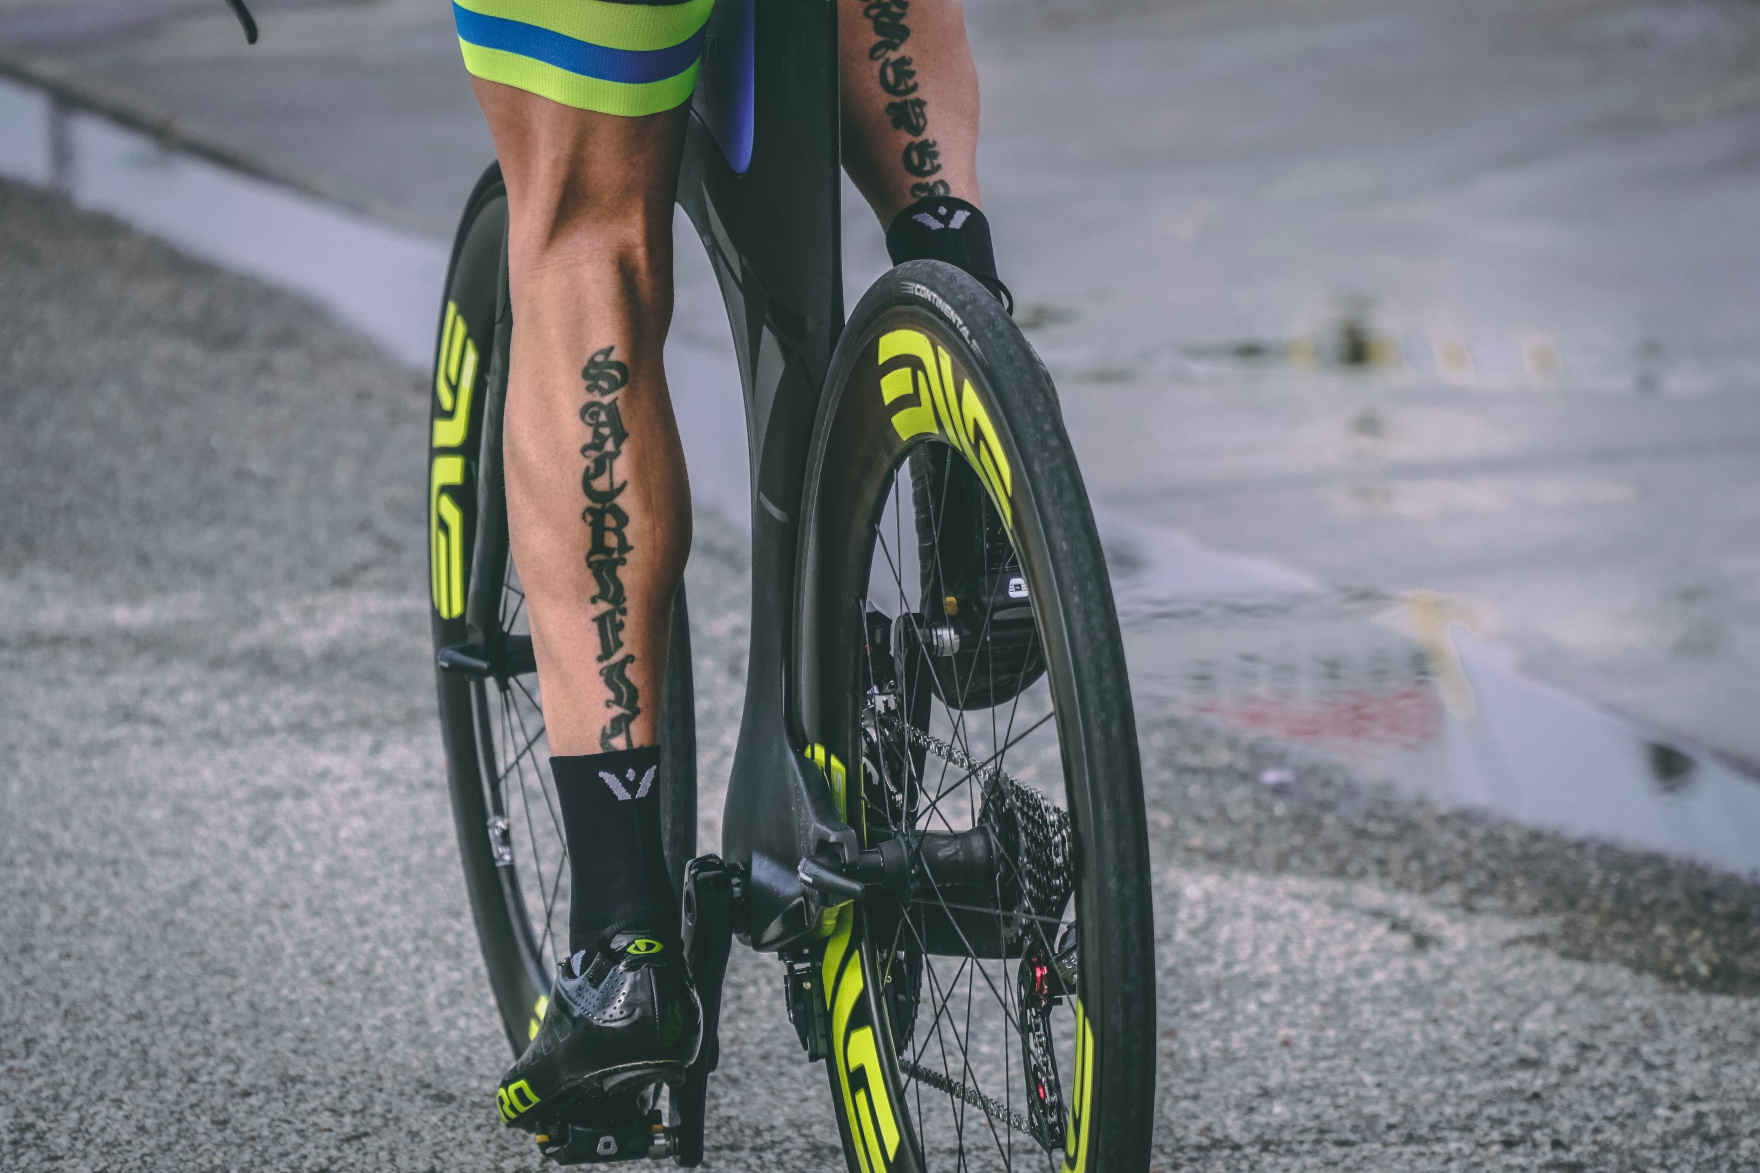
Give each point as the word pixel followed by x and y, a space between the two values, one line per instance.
pixel 597 500
pixel 910 130
pixel 599 527
pixel 910 102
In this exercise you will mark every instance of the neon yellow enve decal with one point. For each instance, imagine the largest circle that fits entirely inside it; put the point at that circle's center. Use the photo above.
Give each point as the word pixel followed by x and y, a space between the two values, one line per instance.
pixel 835 775
pixel 866 1104
pixel 941 410
pixel 838 778
pixel 446 537
pixel 1075 1146
pixel 455 379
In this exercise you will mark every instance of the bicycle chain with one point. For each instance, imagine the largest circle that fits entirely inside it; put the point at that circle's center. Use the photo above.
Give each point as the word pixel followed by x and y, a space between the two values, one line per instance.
pixel 969 1095
pixel 946 751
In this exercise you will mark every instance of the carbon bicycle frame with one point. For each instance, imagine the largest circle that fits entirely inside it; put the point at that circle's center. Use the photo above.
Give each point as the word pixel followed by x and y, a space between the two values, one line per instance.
pixel 760 181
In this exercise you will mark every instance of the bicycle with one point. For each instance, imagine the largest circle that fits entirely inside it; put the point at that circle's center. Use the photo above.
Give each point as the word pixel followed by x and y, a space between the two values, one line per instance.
pixel 935 815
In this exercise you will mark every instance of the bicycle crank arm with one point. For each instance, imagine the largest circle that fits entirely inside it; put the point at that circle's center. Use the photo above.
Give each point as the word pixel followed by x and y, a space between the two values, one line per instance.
pixel 713 893
pixel 514 659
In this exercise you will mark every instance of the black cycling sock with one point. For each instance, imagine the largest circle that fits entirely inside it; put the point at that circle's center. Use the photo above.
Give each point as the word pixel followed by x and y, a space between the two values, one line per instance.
pixel 617 863
pixel 946 228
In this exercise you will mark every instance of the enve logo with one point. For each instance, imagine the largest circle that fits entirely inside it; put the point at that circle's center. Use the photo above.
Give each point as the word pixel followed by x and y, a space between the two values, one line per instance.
pixel 867 1106
pixel 446 536
pixel 455 381
pixel 942 408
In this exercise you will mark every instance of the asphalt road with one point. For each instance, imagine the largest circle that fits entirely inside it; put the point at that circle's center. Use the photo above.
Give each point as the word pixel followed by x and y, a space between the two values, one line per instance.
pixel 232 928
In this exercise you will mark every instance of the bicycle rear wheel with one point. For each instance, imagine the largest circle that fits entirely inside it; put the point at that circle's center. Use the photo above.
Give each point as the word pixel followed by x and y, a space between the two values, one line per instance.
pixel 949 557
pixel 492 722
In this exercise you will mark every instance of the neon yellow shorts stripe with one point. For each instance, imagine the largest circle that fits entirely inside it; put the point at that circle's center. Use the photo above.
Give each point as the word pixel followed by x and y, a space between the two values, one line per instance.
pixel 600 22
pixel 578 90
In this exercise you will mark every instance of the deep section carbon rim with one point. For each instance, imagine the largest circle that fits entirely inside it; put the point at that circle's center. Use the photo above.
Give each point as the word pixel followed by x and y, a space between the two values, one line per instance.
pixel 992 1007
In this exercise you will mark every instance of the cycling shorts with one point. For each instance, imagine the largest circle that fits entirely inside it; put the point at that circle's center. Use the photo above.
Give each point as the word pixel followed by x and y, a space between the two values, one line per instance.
pixel 615 58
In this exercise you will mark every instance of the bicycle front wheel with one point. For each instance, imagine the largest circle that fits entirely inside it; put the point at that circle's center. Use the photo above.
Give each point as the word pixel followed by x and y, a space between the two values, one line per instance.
pixel 963 681
pixel 491 717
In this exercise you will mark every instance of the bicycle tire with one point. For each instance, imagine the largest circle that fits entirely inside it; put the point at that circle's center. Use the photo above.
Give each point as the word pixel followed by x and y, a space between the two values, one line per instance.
pixel 928 357
pixel 515 871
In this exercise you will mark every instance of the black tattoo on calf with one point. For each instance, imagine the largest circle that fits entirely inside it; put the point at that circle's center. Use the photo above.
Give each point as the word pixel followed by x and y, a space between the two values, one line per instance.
pixel 605 578
pixel 897 77
pixel 608 543
pixel 922 158
pixel 908 115
pixel 887 17
pixel 610 624
pixel 604 375
pixel 911 115
pixel 623 697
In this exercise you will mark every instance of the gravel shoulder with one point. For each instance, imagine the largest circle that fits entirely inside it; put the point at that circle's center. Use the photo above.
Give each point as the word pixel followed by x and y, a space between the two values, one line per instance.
pixel 233 932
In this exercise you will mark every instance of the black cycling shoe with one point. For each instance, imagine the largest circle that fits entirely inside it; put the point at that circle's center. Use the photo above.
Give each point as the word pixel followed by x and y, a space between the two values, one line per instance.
pixel 627 1018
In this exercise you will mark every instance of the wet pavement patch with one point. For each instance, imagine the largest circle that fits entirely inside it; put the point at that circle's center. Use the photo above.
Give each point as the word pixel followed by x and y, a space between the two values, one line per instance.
pixel 1255 804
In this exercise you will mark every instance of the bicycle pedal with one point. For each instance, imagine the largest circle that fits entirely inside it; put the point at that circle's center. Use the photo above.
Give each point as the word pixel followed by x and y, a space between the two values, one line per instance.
pixel 600 1142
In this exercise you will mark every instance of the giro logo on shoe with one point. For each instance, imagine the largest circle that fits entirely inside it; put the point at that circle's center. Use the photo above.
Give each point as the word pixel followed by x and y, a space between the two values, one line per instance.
pixel 617 785
pixel 919 377
pixel 515 1099
pixel 642 946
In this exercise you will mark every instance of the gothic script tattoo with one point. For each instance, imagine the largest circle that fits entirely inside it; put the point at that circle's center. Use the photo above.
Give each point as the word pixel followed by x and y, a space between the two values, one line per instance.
pixel 908 115
pixel 920 158
pixel 608 545
pixel 897 77
pixel 887 17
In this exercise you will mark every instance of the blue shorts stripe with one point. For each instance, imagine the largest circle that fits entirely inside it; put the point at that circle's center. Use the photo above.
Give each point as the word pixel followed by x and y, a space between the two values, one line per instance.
pixel 630 66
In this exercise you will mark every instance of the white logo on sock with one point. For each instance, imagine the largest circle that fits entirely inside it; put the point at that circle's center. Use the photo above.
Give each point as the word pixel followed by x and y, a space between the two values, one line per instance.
pixel 617 784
